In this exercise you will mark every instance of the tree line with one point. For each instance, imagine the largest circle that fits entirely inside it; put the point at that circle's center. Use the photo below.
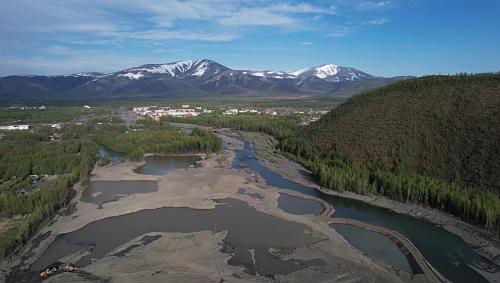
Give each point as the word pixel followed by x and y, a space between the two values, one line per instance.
pixel 77 157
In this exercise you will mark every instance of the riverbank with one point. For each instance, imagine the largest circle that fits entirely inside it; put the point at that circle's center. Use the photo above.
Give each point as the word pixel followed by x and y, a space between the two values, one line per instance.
pixel 202 188
pixel 482 242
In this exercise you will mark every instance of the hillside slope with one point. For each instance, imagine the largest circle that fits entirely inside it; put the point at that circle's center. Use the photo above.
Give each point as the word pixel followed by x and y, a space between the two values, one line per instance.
pixel 444 127
pixel 348 89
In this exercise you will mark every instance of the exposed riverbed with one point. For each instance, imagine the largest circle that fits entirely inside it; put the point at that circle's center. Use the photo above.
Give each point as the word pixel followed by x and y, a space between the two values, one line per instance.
pixel 209 222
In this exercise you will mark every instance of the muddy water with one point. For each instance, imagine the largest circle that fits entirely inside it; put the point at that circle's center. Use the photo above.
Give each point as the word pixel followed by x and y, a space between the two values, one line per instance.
pixel 449 254
pixel 110 190
pixel 117 156
pixel 159 165
pixel 374 244
pixel 296 205
pixel 247 229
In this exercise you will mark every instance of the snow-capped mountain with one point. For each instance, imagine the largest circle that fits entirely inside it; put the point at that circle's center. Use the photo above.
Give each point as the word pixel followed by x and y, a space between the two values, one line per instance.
pixel 179 70
pixel 333 73
pixel 327 72
pixel 200 77
pixel 189 78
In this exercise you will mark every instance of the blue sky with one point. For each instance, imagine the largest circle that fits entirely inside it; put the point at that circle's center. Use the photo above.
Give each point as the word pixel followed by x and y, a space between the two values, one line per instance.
pixel 382 38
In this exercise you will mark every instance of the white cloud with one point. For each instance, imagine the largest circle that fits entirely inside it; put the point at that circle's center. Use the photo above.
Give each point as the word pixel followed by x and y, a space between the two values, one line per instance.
pixel 274 15
pixel 341 31
pixel 307 43
pixel 169 50
pixel 92 42
pixel 336 34
pixel 30 16
pixel 380 21
pixel 82 61
pixel 301 8
pixel 58 50
pixel 256 17
pixel 370 5
pixel 117 18
pixel 168 34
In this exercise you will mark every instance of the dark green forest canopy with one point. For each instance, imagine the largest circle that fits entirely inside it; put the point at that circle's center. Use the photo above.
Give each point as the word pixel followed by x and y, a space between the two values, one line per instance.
pixel 26 153
pixel 445 127
pixel 51 114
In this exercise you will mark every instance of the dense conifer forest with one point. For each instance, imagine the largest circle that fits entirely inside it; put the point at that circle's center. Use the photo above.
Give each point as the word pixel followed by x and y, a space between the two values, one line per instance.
pixel 433 141
pixel 24 154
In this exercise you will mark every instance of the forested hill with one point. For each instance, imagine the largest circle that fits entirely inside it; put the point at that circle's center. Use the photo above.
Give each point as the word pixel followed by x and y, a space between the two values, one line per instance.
pixel 444 127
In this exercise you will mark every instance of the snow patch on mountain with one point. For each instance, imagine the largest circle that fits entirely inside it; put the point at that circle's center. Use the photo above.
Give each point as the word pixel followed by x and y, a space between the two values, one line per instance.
pixel 321 72
pixel 172 69
pixel 132 76
pixel 299 72
pixel 201 69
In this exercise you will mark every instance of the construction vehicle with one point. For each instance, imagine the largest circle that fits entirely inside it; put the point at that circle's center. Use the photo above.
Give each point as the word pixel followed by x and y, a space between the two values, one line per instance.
pixel 48 271
pixel 68 267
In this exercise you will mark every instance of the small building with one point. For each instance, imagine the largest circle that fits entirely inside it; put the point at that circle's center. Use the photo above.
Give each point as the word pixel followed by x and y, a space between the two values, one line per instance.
pixel 269 112
pixel 198 108
pixel 86 106
pixel 231 112
pixel 42 108
pixel 15 127
pixel 185 106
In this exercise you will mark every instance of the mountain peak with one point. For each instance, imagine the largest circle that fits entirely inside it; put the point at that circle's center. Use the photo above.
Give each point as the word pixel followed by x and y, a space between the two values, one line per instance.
pixel 179 69
pixel 322 72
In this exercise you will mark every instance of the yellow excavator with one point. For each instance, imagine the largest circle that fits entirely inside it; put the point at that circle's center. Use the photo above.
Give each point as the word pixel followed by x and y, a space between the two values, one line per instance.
pixel 68 267
pixel 48 271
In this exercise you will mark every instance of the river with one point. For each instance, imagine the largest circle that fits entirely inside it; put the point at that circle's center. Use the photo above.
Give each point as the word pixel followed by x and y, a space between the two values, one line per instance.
pixel 445 251
pixel 448 253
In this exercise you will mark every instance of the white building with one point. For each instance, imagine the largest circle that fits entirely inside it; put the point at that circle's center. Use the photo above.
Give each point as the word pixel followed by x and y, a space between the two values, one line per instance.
pixel 231 112
pixel 86 106
pixel 15 127
pixel 42 108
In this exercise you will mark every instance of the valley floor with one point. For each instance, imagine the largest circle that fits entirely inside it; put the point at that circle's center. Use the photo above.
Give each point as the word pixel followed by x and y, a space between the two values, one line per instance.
pixel 196 257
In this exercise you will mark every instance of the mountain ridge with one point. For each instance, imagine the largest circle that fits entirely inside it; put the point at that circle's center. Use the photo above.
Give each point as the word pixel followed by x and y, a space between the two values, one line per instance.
pixel 181 79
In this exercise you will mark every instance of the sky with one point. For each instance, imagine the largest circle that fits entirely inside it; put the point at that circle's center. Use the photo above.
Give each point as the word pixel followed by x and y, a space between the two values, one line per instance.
pixel 382 38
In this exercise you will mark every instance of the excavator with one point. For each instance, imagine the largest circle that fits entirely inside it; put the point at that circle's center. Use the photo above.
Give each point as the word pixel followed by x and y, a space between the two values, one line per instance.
pixel 68 267
pixel 48 271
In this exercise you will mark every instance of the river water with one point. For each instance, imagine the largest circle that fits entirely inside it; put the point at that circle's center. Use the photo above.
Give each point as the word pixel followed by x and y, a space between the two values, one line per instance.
pixel 159 165
pixel 117 156
pixel 247 229
pixel 155 165
pixel 445 251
